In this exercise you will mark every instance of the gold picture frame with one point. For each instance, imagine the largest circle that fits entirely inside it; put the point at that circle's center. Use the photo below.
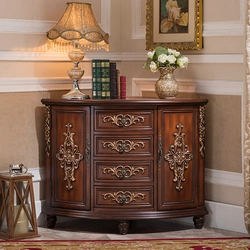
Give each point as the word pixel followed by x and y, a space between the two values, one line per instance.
pixel 175 24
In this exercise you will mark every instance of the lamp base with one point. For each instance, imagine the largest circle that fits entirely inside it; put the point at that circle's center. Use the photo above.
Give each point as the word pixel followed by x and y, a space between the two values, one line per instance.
pixel 75 93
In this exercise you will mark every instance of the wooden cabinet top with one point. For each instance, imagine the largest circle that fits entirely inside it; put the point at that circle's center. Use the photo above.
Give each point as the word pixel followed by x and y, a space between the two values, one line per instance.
pixel 128 101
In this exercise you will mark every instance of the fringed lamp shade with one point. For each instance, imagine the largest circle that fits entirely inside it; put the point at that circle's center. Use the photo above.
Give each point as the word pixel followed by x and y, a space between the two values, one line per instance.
pixel 78 23
pixel 78 27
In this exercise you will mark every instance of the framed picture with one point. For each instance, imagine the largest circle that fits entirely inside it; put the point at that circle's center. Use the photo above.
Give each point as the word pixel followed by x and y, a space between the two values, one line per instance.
pixel 175 24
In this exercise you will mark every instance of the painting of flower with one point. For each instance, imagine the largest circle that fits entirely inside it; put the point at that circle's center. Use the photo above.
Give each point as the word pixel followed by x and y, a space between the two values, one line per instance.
pixel 174 16
pixel 174 24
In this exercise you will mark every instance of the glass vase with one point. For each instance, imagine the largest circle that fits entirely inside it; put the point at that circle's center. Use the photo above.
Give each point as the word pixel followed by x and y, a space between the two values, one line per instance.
pixel 166 86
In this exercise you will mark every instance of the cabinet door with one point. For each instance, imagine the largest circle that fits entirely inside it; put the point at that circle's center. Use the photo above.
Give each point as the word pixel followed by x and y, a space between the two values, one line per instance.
pixel 178 181
pixel 70 170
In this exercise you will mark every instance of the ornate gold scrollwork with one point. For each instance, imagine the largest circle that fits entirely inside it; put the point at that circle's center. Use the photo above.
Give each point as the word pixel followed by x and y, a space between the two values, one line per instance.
pixel 69 157
pixel 178 157
pixel 123 146
pixel 202 130
pixel 123 120
pixel 47 130
pixel 123 172
pixel 123 197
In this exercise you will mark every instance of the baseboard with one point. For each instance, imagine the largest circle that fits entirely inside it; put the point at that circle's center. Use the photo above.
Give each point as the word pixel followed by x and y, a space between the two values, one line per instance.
pixel 220 214
pixel 219 217
pixel 225 216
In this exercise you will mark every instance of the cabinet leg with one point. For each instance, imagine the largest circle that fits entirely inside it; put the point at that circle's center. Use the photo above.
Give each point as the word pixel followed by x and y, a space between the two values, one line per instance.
pixel 199 221
pixel 50 221
pixel 123 226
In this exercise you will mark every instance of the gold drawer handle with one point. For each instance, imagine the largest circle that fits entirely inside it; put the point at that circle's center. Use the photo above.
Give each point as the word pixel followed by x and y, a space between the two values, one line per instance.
pixel 123 172
pixel 123 146
pixel 123 197
pixel 123 120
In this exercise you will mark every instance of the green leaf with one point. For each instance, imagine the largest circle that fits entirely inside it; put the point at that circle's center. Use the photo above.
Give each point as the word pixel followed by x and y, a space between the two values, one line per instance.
pixel 160 50
pixel 146 65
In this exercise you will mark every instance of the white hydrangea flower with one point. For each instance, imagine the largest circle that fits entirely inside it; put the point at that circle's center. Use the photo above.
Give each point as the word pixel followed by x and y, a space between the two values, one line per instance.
pixel 177 53
pixel 174 52
pixel 153 66
pixel 150 54
pixel 162 58
pixel 171 59
pixel 170 51
pixel 183 62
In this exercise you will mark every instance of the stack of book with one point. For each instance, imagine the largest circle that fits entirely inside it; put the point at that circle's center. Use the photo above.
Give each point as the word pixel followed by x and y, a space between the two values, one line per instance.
pixel 107 83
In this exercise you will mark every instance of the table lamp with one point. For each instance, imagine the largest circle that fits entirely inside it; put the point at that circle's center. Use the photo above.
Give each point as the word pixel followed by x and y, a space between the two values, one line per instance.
pixel 78 27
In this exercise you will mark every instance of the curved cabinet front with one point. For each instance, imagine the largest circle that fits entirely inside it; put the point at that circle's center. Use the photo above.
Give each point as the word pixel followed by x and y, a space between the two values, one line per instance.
pixel 125 159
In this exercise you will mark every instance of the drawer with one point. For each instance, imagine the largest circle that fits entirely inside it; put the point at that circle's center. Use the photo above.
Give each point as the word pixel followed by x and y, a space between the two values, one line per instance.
pixel 121 145
pixel 123 171
pixel 123 197
pixel 128 120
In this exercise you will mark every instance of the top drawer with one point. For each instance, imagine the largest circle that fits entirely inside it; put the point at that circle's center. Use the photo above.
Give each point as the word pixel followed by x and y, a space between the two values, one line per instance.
pixel 124 120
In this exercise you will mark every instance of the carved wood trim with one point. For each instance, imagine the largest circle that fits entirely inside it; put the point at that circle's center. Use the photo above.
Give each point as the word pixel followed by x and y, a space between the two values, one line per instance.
pixel 47 128
pixel 178 157
pixel 69 157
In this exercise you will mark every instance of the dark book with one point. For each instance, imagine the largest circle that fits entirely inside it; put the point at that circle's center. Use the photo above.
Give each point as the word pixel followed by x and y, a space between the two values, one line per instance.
pixel 96 79
pixel 123 87
pixel 113 81
pixel 105 78
pixel 118 82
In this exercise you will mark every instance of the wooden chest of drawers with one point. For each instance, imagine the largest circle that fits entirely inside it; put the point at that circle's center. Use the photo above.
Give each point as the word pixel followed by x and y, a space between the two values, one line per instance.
pixel 125 159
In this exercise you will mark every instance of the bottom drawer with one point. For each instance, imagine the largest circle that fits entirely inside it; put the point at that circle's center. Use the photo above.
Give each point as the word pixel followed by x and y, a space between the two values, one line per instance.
pixel 129 197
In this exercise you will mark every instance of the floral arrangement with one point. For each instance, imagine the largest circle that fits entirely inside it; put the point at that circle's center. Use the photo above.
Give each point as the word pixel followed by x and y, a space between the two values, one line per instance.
pixel 162 57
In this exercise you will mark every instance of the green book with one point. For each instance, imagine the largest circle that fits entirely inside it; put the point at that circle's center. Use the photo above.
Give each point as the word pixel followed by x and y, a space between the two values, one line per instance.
pixel 105 78
pixel 96 79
